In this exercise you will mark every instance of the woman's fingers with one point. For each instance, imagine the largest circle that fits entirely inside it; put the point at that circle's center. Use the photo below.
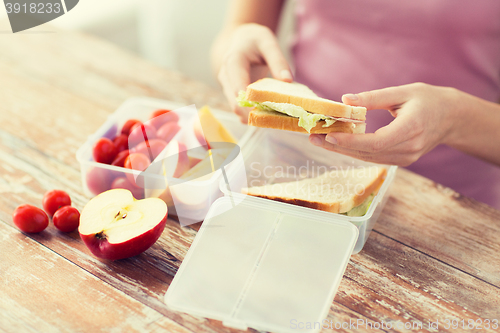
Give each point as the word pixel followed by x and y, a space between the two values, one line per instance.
pixel 399 156
pixel 422 121
pixel 399 130
pixel 388 98
pixel 253 52
pixel 269 48
pixel 399 143
pixel 237 73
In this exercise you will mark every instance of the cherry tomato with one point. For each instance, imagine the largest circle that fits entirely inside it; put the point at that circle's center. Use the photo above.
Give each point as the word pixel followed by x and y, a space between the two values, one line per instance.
pixel 128 125
pixel 104 151
pixel 170 117
pixel 140 133
pixel 150 148
pixel 120 158
pixel 99 180
pixel 121 142
pixel 66 219
pixel 55 199
pixel 29 218
pixel 168 131
pixel 123 182
pixel 161 117
pixel 157 113
pixel 136 161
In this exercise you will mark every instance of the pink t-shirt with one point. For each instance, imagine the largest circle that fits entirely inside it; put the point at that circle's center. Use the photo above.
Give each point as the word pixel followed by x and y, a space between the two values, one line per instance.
pixel 350 46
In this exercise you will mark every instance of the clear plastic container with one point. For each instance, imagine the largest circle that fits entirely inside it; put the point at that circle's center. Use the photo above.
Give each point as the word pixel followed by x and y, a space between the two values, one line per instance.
pixel 97 177
pixel 265 265
pixel 274 156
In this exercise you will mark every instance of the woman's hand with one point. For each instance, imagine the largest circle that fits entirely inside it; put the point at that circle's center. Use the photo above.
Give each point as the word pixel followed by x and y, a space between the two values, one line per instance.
pixel 252 52
pixel 425 116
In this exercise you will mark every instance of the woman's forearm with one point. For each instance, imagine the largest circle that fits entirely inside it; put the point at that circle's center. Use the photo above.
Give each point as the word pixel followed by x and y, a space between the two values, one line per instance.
pixel 477 127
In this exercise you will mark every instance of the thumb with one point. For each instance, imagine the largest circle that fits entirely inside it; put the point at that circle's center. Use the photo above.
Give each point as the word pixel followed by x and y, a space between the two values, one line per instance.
pixel 387 98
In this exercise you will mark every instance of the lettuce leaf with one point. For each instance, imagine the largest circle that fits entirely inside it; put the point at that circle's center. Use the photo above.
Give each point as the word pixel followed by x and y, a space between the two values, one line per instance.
pixel 307 120
pixel 363 208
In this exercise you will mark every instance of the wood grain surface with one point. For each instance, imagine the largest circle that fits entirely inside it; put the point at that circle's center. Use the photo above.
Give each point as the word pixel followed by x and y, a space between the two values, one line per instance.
pixel 433 256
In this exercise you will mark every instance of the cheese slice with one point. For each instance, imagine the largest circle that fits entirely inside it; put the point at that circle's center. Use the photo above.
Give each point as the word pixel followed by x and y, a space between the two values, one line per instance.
pixel 213 130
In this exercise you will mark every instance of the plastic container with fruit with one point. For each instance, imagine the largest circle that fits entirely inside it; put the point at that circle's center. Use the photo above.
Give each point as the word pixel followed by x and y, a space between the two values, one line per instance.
pixel 132 138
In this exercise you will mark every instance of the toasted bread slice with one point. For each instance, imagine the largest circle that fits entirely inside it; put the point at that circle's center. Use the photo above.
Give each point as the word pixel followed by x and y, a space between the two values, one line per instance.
pixel 273 119
pixel 272 90
pixel 336 191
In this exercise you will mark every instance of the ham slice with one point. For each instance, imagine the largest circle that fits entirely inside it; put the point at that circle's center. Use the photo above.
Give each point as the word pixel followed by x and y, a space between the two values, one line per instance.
pixel 346 120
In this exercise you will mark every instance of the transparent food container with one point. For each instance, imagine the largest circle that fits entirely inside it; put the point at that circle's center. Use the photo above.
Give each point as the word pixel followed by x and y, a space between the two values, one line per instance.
pixel 274 156
pixel 99 177
pixel 264 265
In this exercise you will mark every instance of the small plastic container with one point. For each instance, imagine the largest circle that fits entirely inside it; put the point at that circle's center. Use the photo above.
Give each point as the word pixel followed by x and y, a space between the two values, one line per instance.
pixel 97 177
pixel 274 156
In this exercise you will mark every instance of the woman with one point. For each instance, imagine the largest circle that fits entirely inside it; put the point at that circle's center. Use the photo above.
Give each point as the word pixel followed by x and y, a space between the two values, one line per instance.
pixel 433 64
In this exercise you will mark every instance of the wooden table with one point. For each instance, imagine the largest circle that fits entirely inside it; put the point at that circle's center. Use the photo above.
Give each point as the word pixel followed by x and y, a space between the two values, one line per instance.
pixel 433 256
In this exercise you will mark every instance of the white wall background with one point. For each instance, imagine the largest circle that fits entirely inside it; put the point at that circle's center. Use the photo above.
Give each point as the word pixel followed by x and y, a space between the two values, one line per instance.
pixel 175 34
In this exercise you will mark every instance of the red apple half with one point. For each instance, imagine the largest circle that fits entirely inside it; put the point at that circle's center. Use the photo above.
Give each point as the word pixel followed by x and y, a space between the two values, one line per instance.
pixel 115 226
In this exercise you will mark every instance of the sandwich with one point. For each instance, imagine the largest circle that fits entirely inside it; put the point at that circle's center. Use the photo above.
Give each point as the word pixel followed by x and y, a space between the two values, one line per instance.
pixel 295 107
pixel 348 192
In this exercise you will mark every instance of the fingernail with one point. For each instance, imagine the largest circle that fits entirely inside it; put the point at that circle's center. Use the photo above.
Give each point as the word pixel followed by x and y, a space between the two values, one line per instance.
pixel 331 140
pixel 352 97
pixel 286 75
pixel 315 140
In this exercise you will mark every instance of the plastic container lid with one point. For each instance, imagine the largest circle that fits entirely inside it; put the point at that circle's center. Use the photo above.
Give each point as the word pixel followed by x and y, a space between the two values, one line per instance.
pixel 268 267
